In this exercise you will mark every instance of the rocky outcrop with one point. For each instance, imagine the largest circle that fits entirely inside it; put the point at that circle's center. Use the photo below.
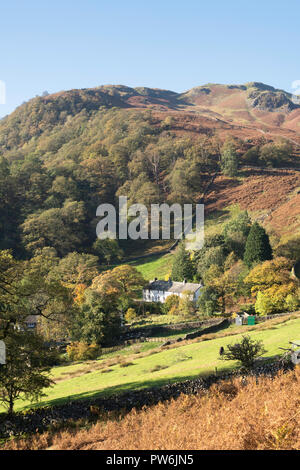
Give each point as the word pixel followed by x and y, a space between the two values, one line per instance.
pixel 271 101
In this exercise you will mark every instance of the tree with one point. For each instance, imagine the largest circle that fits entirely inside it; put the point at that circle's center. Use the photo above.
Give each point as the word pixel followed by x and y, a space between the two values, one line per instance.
pixel 251 157
pixel 274 154
pixel 26 290
pixel 97 322
pixel 229 159
pixel 25 373
pixel 185 181
pixel 216 255
pixel 130 315
pixel 245 352
pixel 76 268
pixel 171 303
pixel 186 305
pixel 289 249
pixel 236 232
pixel 12 308
pixel 222 286
pixel 119 287
pixel 271 283
pixel 208 301
pixel 183 268
pixel 79 351
pixel 60 228
pixel 258 246
pixel 108 251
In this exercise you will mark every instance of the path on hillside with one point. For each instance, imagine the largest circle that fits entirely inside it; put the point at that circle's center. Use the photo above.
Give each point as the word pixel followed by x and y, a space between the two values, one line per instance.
pixel 174 245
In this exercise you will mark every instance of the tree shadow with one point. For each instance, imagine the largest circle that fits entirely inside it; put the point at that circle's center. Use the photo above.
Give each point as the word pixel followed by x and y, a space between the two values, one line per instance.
pixel 127 389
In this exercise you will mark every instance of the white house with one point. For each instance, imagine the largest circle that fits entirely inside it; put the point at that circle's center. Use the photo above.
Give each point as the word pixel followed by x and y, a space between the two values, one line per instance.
pixel 158 291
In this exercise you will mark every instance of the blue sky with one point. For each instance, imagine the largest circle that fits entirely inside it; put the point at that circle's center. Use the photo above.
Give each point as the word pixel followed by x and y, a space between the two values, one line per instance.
pixel 171 44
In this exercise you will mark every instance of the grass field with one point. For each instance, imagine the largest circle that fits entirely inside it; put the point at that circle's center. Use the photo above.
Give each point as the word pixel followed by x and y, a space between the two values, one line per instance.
pixel 154 266
pixel 146 365
pixel 161 265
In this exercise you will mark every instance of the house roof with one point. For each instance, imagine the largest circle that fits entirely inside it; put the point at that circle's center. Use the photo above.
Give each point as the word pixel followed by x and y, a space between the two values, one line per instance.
pixel 31 319
pixel 173 286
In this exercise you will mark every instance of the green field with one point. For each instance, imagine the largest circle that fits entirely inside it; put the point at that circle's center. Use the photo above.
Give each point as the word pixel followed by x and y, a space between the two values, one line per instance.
pixel 155 266
pixel 86 380
pixel 161 265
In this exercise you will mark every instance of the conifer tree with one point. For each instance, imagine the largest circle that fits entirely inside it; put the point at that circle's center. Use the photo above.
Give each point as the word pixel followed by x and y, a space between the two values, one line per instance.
pixel 183 267
pixel 258 246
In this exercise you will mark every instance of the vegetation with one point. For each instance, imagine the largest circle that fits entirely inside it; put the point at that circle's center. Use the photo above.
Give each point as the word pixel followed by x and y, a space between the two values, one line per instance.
pixel 226 418
pixel 272 154
pixel 258 246
pixel 63 155
pixel 272 284
pixel 182 265
pixel 229 159
pixel 245 352
pixel 82 351
pixel 25 373
pixel 181 361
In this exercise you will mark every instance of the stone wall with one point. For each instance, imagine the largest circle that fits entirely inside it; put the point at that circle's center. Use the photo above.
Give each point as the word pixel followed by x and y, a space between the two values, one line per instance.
pixel 40 419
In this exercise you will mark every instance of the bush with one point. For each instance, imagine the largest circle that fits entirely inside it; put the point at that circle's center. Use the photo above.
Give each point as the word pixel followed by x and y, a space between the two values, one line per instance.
pixel 126 364
pixel 248 308
pixel 130 315
pixel 170 304
pixel 152 308
pixel 292 302
pixel 245 352
pixel 79 351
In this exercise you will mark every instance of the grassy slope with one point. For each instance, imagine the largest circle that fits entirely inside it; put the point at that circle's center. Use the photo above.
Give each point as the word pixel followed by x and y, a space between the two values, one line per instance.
pixel 187 361
pixel 154 266
pixel 161 265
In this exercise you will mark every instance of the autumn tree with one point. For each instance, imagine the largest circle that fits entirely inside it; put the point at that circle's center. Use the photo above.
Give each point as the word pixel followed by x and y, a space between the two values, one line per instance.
pixel 60 228
pixel 108 251
pixel 12 307
pixel 119 287
pixel 273 286
pixel 221 287
pixel 75 268
pixel 275 153
pixel 221 284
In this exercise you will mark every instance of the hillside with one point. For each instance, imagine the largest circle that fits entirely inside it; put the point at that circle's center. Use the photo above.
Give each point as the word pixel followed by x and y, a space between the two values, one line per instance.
pixel 66 153
pixel 130 370
pixel 253 108
pixel 145 365
pixel 227 418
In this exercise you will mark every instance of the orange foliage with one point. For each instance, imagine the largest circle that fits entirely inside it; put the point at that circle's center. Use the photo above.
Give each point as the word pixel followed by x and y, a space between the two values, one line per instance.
pixel 261 414
pixel 78 293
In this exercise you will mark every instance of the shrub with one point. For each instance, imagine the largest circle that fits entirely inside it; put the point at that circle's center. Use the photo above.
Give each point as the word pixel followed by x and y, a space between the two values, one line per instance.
pixel 245 352
pixel 171 304
pixel 79 351
pixel 158 368
pixel 292 302
pixel 126 364
pixel 130 315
